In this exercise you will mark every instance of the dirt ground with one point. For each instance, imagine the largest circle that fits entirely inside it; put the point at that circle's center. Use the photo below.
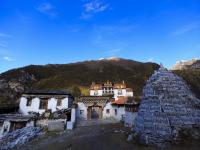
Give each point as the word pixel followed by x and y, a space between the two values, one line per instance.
pixel 97 137
pixel 94 137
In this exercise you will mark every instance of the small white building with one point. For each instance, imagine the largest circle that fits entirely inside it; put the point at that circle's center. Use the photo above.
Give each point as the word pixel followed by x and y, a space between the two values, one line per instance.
pixel 40 101
pixel 106 101
pixel 93 107
pixel 131 111
pixel 45 101
pixel 101 107
pixel 119 108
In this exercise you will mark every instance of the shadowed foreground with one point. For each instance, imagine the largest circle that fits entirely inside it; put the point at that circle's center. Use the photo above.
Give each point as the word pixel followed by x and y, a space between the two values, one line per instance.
pixel 98 137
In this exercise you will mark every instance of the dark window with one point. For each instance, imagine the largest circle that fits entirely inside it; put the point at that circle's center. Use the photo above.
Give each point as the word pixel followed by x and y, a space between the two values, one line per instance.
pixel 43 104
pixel 115 111
pixel 95 92
pixel 59 102
pixel 119 92
pixel 1 124
pixel 81 112
pixel 107 111
pixel 29 101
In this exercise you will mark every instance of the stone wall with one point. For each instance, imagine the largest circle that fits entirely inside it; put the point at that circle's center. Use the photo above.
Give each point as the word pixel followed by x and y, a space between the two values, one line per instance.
pixel 130 119
pixel 167 107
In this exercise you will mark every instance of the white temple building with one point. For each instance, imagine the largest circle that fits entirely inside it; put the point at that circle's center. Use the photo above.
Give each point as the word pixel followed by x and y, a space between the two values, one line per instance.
pixel 106 101
pixel 109 88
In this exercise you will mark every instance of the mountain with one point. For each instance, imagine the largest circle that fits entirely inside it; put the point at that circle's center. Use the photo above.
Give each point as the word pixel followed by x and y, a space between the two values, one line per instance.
pixel 190 64
pixel 190 72
pixel 192 77
pixel 72 76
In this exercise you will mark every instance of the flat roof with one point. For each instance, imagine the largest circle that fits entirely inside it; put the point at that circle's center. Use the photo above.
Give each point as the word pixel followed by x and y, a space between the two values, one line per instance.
pixel 15 117
pixel 47 92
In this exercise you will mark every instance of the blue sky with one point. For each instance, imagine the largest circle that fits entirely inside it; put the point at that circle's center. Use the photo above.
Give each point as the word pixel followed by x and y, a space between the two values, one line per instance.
pixel 64 31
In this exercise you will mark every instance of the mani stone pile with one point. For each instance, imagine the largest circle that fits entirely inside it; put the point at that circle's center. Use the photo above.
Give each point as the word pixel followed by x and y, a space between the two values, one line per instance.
pixel 167 107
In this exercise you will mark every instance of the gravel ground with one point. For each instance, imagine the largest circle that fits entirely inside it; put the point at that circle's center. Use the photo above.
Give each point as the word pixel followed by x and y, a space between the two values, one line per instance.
pixel 94 137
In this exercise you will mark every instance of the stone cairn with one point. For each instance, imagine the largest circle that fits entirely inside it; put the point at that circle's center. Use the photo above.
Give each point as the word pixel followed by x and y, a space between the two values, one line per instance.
pixel 167 107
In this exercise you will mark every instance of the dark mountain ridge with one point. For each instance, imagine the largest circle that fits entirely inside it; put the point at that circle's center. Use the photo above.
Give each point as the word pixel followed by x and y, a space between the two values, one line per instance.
pixel 80 74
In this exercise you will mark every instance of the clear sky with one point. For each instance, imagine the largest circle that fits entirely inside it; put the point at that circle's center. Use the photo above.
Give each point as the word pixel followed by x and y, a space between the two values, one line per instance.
pixel 64 31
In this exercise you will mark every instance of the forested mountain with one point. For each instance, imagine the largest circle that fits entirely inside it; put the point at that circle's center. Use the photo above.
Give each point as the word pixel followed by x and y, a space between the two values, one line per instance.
pixel 75 75
pixel 79 76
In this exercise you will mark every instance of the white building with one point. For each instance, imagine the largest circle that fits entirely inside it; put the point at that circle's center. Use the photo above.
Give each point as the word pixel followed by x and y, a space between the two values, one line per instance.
pixel 106 100
pixel 108 88
pixel 45 101
pixel 40 101
pixel 131 111
pixel 93 107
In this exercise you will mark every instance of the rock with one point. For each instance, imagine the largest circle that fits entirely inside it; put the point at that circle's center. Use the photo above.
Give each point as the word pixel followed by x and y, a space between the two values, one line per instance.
pixel 167 107
pixel 191 64
pixel 12 86
pixel 19 137
pixel 116 131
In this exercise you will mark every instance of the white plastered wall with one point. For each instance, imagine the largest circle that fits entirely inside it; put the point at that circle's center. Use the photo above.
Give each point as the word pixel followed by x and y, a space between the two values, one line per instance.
pixel 116 94
pixel 99 93
pixel 81 107
pixel 120 112
pixel 105 114
pixel 35 105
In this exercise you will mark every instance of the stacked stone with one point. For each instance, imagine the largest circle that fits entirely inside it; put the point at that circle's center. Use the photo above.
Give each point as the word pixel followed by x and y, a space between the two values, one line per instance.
pixel 19 137
pixel 167 107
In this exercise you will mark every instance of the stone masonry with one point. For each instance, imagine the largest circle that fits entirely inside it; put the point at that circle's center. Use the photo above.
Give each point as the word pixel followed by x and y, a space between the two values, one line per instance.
pixel 167 107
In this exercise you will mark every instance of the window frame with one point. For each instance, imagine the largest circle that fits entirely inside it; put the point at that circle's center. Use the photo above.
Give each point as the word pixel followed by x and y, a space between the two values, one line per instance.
pixel 116 112
pixel 95 92
pixel 81 112
pixel 59 102
pixel 43 104
pixel 120 92
pixel 107 111
pixel 29 102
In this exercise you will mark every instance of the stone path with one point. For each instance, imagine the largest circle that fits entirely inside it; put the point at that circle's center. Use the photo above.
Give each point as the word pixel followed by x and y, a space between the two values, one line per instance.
pixel 84 123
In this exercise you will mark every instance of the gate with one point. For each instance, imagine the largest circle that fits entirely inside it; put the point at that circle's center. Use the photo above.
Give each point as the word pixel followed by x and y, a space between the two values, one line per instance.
pixel 94 112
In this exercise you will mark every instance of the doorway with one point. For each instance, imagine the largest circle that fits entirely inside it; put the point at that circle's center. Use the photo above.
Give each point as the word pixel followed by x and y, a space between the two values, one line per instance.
pixel 94 112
